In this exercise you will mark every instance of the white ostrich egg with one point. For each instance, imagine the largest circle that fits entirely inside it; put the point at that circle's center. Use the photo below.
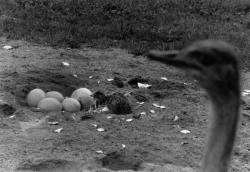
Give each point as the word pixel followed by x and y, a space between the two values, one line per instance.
pixel 86 101
pixel 55 94
pixel 49 104
pixel 71 105
pixel 35 96
pixel 81 92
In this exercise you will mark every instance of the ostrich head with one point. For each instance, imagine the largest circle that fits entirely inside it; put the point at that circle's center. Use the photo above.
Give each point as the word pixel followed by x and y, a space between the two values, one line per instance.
pixel 210 62
pixel 214 65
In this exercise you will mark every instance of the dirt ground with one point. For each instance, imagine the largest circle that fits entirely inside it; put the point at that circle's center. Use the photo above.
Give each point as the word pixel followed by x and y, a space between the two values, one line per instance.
pixel 152 142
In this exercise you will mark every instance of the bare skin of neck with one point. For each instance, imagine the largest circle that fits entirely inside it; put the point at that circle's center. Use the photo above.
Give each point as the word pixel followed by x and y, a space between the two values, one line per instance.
pixel 222 131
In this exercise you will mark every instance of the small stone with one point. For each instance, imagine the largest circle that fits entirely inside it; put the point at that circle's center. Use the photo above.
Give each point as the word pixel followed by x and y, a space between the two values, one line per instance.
pixel 137 116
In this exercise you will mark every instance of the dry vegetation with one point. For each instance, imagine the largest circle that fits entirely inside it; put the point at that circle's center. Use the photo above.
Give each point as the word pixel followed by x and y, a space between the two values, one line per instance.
pixel 133 24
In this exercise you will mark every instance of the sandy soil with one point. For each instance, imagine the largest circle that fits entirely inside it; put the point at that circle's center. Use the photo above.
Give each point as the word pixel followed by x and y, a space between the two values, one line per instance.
pixel 152 142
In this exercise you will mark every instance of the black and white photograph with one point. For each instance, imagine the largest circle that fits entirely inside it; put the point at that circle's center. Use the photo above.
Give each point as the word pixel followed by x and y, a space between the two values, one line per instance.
pixel 124 85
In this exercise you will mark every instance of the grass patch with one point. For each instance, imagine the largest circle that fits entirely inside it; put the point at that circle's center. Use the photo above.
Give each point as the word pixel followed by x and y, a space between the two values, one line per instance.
pixel 137 25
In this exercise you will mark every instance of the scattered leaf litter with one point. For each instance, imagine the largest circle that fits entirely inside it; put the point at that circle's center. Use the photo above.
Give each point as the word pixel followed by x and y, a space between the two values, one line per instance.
pixel 99 152
pixel 110 79
pixel 164 78
pixel 140 85
pixel 7 47
pixel 152 111
pixel 185 131
pixel 65 63
pixel 58 130
pixel 53 122
pixel 129 120
pixel 100 129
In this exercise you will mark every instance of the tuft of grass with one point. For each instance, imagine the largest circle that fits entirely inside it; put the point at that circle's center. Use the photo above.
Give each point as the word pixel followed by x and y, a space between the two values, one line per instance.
pixel 138 25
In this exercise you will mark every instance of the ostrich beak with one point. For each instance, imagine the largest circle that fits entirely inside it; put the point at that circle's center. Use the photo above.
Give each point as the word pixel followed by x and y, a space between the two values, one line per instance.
pixel 172 57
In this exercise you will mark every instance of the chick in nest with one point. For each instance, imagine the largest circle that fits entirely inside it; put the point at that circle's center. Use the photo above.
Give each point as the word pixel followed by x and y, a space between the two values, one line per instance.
pixel 117 103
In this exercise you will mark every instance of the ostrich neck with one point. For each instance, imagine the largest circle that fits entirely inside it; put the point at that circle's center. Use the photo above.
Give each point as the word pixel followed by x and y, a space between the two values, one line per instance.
pixel 222 130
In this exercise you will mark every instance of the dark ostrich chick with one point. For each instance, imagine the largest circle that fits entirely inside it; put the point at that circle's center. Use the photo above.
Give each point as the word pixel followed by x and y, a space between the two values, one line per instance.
pixel 100 98
pixel 117 103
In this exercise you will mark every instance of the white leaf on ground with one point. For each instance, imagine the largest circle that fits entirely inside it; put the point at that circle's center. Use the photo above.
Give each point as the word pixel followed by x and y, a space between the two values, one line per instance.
pixel 152 111
pixel 140 85
pixel 53 122
pixel 185 131
pixel 58 130
pixel 164 78
pixel 99 152
pixel 100 129
pixel 7 47
pixel 176 118
pixel 129 120
pixel 65 63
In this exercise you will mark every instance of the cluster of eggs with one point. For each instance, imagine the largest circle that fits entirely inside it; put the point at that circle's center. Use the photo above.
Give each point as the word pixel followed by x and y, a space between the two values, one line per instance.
pixel 55 101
